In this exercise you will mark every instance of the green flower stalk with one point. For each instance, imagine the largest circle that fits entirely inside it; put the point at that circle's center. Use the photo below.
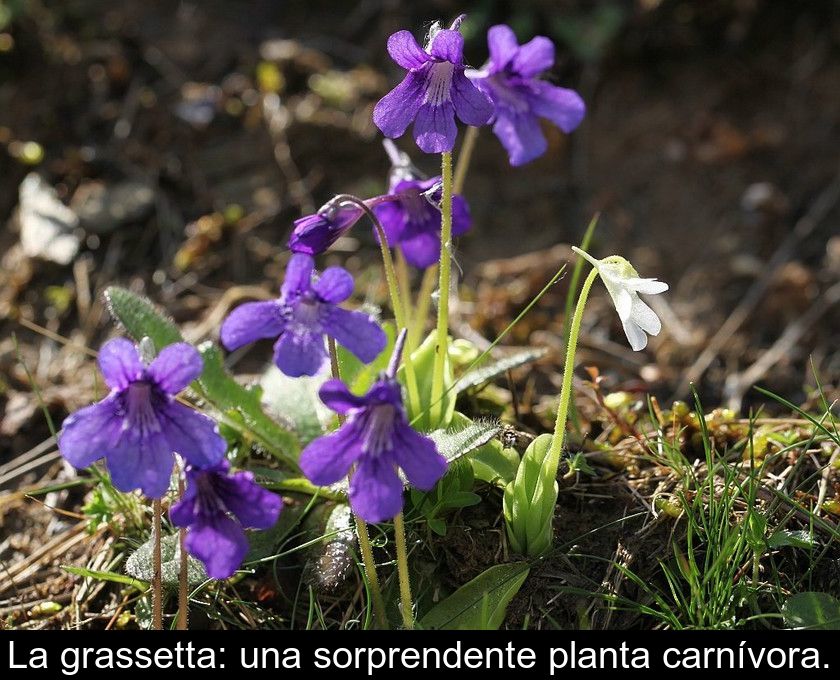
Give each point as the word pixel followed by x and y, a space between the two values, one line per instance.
pixel 530 498
pixel 442 328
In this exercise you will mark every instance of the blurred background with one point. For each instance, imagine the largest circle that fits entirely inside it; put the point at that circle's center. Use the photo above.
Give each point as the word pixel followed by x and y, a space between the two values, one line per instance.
pixel 168 146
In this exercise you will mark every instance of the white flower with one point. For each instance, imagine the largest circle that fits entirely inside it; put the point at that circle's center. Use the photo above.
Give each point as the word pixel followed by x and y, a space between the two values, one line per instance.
pixel 624 285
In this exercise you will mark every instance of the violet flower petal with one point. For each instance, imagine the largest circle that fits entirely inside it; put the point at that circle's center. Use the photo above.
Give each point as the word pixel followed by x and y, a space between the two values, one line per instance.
pixel 422 250
pixel 395 111
pixel 461 217
pixel 562 106
pixel 89 433
pixel 251 504
pixel 391 216
pixel 192 434
pixel 313 234
pixel 120 363
pixel 434 127
pixel 448 45
pixel 300 353
pixel 183 512
pixel 328 459
pixel 220 544
pixel 521 136
pixel 404 50
pixel 418 457
pixel 141 459
pixel 338 397
pixel 502 43
pixel 471 104
pixel 534 57
pixel 357 331
pixel 376 492
pixel 298 275
pixel 250 322
pixel 176 367
pixel 334 285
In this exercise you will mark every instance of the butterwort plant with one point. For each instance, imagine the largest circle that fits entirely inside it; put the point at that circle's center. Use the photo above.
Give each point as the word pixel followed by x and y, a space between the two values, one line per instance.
pixel 140 425
pixel 529 500
pixel 374 441
pixel 306 313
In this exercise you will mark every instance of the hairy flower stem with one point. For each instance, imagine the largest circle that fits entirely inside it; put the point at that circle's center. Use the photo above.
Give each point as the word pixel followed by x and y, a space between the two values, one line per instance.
pixel 553 457
pixel 183 574
pixel 443 288
pixel 393 290
pixel 157 586
pixel 406 604
pixel 464 158
pixel 362 532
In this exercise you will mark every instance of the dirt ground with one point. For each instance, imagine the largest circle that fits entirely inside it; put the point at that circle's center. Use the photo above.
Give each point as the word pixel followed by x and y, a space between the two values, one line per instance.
pixel 709 150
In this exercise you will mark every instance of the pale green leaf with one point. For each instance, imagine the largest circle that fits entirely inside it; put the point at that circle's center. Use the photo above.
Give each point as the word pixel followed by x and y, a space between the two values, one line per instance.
pixel 478 376
pixel 480 604
pixel 140 563
pixel 812 610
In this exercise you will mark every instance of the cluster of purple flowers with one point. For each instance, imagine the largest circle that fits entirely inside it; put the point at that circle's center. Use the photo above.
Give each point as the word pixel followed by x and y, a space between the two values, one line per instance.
pixel 140 426
pixel 508 92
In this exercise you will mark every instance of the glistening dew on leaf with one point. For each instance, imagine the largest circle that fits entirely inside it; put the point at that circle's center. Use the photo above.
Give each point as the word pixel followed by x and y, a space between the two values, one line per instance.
pixel 305 313
pixel 139 426
pixel 624 285
pixel 377 439
pixel 215 507
pixel 511 80
pixel 433 91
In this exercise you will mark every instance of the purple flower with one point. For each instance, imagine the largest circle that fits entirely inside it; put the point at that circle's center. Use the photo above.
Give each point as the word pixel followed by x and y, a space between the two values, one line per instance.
pixel 139 425
pixel 313 234
pixel 215 508
pixel 433 91
pixel 306 311
pixel 412 218
pixel 511 81
pixel 377 439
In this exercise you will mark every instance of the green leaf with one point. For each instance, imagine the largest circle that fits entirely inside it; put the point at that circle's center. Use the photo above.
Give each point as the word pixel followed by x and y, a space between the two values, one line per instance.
pixel 277 480
pixel 359 376
pixel 220 389
pixel 463 499
pixel 495 464
pixel 481 603
pixel 484 374
pixel 464 436
pixel 812 610
pixel 140 563
pixel 106 576
pixel 529 502
pixel 437 525
pixel 139 317
pixel 423 359
pixel 793 539
pixel 296 402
